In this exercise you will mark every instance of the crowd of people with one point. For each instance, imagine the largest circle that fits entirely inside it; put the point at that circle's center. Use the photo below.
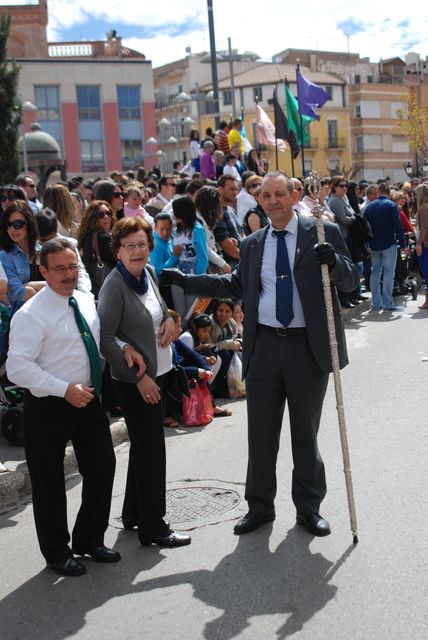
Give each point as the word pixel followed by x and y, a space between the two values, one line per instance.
pixel 158 272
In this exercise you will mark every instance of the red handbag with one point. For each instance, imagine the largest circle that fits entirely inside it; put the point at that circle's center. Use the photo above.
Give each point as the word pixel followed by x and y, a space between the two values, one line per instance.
pixel 198 409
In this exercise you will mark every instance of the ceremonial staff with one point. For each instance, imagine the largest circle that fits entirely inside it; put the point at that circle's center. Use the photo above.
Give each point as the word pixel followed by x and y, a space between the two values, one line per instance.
pixel 317 211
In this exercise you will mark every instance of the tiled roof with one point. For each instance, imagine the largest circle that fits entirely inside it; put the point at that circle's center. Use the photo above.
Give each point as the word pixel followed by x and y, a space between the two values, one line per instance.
pixel 271 73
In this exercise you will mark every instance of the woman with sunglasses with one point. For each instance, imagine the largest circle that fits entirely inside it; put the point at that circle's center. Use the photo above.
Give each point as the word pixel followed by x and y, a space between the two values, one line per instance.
pixel 19 253
pixel 112 193
pixel 9 193
pixel 344 216
pixel 94 242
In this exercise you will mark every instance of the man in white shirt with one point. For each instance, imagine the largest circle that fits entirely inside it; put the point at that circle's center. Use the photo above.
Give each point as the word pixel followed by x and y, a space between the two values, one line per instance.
pixel 48 357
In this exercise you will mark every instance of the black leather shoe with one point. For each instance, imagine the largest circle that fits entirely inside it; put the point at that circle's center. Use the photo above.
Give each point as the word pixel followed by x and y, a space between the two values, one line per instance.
pixel 315 524
pixel 68 567
pixel 347 305
pixel 101 554
pixel 173 539
pixel 361 298
pixel 129 524
pixel 355 301
pixel 251 522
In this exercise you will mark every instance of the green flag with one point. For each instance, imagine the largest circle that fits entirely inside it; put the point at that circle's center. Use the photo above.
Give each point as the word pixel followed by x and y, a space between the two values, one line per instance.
pixel 294 117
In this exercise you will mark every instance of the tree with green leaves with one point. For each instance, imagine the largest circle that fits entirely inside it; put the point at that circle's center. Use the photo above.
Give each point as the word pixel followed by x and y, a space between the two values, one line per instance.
pixel 10 108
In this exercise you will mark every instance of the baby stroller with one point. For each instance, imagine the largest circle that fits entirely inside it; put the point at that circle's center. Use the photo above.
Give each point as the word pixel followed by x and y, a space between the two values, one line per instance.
pixel 407 277
pixel 11 396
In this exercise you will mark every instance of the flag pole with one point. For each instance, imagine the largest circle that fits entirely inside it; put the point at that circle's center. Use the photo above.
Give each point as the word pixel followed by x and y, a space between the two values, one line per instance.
pixel 291 150
pixel 301 123
pixel 317 212
pixel 275 125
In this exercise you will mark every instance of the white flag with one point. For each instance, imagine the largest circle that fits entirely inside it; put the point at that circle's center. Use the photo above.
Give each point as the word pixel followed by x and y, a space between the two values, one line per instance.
pixel 265 131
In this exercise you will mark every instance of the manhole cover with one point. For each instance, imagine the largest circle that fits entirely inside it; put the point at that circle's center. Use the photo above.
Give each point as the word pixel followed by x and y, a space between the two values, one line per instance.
pixel 193 503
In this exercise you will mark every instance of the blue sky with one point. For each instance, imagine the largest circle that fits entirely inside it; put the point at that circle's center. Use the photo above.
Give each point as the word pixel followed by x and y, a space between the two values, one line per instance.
pixel 162 30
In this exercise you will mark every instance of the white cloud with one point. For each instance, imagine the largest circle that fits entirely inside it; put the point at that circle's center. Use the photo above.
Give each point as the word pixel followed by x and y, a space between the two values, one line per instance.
pixel 265 28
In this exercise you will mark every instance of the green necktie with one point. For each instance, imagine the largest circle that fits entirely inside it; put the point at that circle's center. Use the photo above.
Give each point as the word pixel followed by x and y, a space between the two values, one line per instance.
pixel 90 346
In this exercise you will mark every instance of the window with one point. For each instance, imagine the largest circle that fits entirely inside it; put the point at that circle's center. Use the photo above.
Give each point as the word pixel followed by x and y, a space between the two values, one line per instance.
pixel 92 155
pixel 369 143
pixel 358 111
pixel 357 78
pixel 47 101
pixel 395 106
pixel 49 111
pixel 370 109
pixel 329 91
pixel 370 79
pixel 128 102
pixel 227 98
pixel 131 152
pixel 88 103
pixel 400 144
pixel 258 94
pixel 332 133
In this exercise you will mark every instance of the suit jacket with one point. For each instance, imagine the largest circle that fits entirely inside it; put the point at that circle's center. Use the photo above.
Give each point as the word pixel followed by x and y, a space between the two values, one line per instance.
pixel 244 283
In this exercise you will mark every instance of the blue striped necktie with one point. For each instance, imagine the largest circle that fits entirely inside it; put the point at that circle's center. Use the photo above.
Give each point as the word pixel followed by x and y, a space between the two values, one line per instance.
pixel 284 282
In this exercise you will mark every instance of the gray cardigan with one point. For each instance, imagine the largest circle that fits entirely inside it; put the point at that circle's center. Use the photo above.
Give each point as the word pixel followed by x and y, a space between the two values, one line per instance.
pixel 122 315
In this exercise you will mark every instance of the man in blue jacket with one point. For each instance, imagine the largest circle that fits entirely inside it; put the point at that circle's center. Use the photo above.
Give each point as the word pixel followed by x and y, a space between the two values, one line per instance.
pixel 384 219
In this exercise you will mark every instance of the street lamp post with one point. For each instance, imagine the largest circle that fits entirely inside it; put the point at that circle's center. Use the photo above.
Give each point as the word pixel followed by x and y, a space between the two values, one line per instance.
pixel 214 75
pixel 27 106
pixel 417 170
pixel 151 142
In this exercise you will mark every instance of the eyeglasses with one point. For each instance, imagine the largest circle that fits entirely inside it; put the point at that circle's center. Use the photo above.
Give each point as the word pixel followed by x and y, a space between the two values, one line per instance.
pixel 103 214
pixel 131 246
pixel 117 194
pixel 342 185
pixel 61 270
pixel 16 224
pixel 9 197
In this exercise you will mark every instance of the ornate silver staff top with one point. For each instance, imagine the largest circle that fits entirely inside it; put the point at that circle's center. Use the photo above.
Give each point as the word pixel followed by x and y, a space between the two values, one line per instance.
pixel 314 179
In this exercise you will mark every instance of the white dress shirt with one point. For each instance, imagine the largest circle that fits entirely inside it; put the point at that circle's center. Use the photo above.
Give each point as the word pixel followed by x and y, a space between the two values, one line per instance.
pixel 46 351
pixel 151 303
pixel 244 202
pixel 267 299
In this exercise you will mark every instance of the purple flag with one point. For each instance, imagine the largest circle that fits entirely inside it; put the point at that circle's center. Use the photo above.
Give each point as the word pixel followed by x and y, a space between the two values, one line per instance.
pixel 310 96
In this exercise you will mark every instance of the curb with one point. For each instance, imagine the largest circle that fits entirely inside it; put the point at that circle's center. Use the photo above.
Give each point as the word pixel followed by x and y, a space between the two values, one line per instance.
pixel 14 485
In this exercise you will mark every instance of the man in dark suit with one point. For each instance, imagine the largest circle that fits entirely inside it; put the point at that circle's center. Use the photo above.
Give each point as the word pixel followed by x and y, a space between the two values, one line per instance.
pixel 286 354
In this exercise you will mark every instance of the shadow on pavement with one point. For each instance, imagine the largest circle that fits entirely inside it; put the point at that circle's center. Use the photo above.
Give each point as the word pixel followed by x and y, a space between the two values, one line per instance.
pixel 250 581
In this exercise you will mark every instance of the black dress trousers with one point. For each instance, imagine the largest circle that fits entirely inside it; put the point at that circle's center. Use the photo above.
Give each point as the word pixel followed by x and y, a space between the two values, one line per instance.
pixel 50 423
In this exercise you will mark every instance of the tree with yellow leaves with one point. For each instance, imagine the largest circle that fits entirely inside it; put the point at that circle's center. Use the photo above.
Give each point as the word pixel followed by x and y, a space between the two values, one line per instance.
pixel 412 123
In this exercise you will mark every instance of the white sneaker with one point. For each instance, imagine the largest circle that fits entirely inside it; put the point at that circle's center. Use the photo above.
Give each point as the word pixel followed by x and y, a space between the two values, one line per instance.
pixel 3 468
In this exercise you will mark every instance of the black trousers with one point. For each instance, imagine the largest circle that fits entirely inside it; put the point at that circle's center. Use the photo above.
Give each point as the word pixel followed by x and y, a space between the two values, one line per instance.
pixel 145 494
pixel 50 423
pixel 283 369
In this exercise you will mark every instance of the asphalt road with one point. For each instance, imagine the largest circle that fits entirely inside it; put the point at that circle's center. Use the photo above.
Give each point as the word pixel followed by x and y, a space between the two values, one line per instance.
pixel 279 581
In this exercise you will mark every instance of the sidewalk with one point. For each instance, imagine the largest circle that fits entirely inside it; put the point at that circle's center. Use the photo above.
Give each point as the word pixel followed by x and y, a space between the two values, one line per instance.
pixel 15 483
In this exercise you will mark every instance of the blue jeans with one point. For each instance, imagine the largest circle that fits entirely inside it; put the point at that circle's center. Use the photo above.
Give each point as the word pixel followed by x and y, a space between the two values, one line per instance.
pixel 383 261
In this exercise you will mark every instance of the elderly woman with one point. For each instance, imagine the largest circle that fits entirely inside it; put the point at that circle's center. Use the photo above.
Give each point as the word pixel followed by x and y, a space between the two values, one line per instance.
pixel 19 257
pixel 132 312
